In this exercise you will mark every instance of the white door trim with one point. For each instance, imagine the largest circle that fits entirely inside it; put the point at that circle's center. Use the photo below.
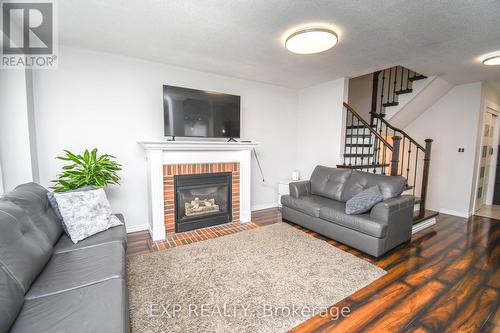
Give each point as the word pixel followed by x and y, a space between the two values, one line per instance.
pixel 492 169
pixel 493 108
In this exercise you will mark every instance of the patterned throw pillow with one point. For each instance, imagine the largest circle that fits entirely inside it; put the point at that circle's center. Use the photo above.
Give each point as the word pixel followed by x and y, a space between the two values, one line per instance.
pixel 53 202
pixel 364 201
pixel 85 213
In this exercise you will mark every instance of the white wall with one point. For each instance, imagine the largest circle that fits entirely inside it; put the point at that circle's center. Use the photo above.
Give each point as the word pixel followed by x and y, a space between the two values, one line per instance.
pixel 452 122
pixel 320 125
pixel 111 102
pixel 491 93
pixel 15 153
pixel 360 95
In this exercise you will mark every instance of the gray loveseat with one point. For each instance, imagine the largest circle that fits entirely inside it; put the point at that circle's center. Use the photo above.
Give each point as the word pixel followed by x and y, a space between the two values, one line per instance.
pixel 319 205
pixel 49 284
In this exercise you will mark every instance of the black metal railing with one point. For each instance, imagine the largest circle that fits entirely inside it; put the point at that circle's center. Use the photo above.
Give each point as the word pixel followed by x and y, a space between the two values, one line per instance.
pixel 389 83
pixel 381 148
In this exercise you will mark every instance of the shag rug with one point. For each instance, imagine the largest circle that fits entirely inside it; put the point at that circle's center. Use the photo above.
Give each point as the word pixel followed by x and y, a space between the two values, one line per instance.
pixel 268 279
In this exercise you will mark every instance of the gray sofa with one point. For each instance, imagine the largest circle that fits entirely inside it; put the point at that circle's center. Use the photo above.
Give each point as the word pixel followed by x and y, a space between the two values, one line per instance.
pixel 319 205
pixel 49 284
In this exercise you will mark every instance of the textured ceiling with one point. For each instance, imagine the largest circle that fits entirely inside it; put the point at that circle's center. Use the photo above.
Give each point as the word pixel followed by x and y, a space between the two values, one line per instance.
pixel 244 38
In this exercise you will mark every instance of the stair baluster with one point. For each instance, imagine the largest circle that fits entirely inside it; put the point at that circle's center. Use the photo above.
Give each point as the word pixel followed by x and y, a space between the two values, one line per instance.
pixel 401 79
pixel 394 84
pixel 389 87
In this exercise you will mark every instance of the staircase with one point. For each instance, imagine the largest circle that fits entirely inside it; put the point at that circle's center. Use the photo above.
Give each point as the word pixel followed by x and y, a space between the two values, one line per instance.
pixel 379 147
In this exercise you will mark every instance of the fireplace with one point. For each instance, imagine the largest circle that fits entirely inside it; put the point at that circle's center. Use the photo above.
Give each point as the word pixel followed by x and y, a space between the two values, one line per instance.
pixel 202 200
pixel 167 159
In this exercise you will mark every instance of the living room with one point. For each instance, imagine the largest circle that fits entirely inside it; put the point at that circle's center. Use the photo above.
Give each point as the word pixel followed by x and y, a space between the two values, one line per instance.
pixel 373 147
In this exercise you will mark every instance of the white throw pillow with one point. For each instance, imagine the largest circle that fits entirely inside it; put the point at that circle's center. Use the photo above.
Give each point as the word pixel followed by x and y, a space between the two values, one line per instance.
pixel 85 213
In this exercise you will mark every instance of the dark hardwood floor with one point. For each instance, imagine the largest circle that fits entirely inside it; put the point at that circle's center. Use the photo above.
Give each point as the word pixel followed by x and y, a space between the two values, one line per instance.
pixel 447 279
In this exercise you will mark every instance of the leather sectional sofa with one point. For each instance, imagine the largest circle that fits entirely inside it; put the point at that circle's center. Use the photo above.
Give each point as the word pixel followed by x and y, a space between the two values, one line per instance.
pixel 49 284
pixel 319 205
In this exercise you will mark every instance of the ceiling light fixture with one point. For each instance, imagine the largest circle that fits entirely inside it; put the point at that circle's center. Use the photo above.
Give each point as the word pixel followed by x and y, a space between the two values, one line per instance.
pixel 492 61
pixel 311 40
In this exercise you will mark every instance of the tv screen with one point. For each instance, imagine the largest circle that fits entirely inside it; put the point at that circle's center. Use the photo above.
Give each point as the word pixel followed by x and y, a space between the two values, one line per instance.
pixel 198 113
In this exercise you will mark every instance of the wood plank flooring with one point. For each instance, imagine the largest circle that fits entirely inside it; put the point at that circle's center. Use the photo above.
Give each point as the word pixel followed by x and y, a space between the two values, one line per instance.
pixel 447 279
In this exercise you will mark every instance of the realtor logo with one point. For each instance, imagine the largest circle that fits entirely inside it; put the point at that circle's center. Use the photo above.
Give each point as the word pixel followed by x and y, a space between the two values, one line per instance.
pixel 29 34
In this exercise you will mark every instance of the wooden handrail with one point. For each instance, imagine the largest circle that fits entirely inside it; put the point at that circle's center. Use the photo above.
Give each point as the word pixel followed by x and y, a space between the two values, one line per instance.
pixel 365 123
pixel 376 115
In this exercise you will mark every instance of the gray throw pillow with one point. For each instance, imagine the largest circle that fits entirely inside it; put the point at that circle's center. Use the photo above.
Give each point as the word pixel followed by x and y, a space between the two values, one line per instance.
pixel 55 207
pixel 364 201
pixel 85 213
pixel 53 202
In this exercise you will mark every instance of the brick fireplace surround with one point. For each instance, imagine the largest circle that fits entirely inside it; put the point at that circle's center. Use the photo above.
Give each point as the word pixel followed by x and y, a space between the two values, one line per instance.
pixel 169 171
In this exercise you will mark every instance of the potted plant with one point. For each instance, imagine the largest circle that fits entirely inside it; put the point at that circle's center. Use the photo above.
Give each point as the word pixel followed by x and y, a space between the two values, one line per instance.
pixel 87 169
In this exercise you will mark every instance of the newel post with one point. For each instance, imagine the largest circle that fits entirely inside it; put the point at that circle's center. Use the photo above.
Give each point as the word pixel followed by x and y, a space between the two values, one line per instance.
pixel 396 140
pixel 425 176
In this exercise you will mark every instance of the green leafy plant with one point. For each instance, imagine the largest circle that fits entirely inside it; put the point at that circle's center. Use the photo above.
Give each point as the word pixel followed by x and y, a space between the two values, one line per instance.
pixel 87 169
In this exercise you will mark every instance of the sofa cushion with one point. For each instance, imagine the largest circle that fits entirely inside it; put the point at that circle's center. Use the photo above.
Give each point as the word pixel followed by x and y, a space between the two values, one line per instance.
pixel 32 198
pixel 75 269
pixel 329 182
pixel 116 234
pixel 335 213
pixel 24 249
pixel 389 186
pixel 11 299
pixel 363 201
pixel 309 205
pixel 101 307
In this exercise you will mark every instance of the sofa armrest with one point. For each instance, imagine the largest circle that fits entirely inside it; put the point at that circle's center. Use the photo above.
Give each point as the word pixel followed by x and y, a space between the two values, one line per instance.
pixel 395 206
pixel 398 214
pixel 300 188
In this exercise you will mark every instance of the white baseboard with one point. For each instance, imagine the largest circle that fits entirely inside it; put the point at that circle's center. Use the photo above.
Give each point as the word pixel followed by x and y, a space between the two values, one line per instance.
pixel 265 206
pixel 138 227
pixel 455 213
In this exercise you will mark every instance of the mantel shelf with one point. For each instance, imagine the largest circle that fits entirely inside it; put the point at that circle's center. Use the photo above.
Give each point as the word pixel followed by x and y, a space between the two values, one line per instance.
pixel 197 145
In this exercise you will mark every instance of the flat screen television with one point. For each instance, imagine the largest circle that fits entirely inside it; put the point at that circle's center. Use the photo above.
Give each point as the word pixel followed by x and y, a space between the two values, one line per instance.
pixel 198 113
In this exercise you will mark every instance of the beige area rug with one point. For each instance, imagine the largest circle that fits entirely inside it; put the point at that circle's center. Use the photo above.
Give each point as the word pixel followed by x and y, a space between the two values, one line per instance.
pixel 268 279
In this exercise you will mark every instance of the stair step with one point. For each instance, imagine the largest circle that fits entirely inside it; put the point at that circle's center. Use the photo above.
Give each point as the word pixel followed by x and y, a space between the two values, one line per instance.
pixel 362 166
pixel 358 155
pixel 360 145
pixel 417 77
pixel 404 91
pixel 390 104
pixel 424 222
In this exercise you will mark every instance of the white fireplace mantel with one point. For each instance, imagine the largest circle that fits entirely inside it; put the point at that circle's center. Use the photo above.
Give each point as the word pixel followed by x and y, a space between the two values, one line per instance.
pixel 160 153
pixel 196 145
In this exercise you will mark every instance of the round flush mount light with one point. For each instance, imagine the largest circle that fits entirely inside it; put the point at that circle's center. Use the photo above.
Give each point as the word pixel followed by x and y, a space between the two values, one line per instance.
pixel 492 61
pixel 311 40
